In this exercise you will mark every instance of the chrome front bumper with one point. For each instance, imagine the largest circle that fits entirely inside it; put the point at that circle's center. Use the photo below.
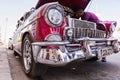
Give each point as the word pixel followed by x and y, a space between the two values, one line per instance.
pixel 55 56
pixel 62 56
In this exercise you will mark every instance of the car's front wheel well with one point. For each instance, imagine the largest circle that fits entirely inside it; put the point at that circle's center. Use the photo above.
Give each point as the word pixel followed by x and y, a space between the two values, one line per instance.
pixel 27 33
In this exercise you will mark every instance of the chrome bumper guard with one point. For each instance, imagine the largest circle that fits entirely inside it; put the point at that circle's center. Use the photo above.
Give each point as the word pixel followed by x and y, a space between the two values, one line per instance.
pixel 61 56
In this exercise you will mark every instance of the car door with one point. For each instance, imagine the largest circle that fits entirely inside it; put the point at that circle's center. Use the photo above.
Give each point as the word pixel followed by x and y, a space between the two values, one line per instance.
pixel 17 38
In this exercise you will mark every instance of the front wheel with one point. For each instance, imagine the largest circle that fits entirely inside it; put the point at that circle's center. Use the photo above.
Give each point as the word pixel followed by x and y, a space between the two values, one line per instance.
pixel 31 68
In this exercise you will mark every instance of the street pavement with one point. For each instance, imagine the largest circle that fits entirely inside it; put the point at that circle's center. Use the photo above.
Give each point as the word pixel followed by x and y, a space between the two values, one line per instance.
pixel 5 73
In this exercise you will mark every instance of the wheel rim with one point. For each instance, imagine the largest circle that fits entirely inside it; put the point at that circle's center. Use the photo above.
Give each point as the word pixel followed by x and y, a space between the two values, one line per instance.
pixel 27 57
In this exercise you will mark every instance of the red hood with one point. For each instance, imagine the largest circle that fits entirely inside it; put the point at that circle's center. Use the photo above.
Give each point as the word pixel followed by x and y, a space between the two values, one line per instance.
pixel 68 3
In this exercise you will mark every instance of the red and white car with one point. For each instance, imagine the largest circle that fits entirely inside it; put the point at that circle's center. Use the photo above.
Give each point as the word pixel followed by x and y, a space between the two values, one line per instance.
pixel 49 35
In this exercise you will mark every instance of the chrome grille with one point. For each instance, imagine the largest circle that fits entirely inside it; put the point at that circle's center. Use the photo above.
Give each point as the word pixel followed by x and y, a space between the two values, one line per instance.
pixel 85 32
pixel 82 28
pixel 83 24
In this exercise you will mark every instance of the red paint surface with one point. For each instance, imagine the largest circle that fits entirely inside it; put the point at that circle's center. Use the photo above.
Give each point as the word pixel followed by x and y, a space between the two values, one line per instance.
pixel 43 29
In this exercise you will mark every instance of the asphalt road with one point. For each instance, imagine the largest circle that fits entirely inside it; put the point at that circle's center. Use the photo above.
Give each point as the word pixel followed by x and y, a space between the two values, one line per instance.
pixel 88 70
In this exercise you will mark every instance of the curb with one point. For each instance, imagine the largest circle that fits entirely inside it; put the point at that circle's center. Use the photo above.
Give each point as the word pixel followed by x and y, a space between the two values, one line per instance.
pixel 5 73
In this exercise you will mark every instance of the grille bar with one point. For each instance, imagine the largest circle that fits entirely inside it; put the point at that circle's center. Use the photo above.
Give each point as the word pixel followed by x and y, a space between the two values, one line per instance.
pixel 85 32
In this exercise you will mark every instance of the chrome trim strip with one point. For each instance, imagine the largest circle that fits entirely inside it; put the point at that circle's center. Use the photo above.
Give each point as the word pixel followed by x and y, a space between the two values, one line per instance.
pixel 73 45
pixel 96 39
pixel 99 44
pixel 49 43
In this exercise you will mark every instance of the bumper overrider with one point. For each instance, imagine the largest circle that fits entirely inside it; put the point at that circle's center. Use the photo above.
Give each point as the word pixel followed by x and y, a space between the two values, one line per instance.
pixel 62 56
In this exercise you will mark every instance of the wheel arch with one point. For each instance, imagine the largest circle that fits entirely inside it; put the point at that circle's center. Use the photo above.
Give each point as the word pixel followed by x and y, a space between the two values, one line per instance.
pixel 23 36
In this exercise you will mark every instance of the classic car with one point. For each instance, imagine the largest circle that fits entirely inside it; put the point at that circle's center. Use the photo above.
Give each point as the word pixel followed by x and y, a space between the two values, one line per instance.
pixel 49 35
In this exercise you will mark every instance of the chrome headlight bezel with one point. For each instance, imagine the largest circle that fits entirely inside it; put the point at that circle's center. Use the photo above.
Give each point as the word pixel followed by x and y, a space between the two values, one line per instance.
pixel 54 15
pixel 69 32
pixel 112 27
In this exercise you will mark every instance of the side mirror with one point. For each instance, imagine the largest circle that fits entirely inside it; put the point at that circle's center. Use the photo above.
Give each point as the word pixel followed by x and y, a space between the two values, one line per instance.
pixel 32 9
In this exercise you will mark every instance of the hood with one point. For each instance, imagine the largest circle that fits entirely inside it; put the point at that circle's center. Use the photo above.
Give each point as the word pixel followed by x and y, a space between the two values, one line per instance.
pixel 68 3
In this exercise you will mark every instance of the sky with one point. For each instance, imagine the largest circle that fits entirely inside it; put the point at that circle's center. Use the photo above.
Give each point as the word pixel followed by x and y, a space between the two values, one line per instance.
pixel 12 10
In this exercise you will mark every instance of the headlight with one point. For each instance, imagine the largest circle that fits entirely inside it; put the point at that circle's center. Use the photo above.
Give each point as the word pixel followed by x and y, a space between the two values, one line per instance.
pixel 112 27
pixel 54 15
pixel 53 37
